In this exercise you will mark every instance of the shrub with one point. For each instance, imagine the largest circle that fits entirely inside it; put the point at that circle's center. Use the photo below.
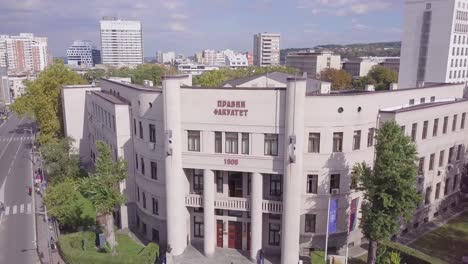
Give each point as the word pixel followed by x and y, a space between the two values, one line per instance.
pixel 150 252
pixel 410 255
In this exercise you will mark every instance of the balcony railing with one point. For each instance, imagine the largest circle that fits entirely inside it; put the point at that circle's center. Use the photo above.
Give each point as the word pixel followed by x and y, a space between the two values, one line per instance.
pixel 234 203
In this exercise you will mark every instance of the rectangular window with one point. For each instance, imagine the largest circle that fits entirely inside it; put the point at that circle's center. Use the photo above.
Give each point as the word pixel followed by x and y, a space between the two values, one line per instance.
pixel 218 142
pixel 427 199
pixel 154 170
pixel 441 158
pixel 454 122
pixel 334 182
pixel 152 133
pixel 194 140
pixel 459 151
pixel 432 98
pixel 245 144
pixel 274 234
pixel 271 144
pixel 138 194
pixel 435 128
pixel 425 127
pixel 403 130
pixel 444 129
pixel 314 142
pixel 431 161
pixel 134 126
pixel 231 143
pixel 310 223
pixel 414 131
pixel 411 102
pixel 437 193
pixel 219 181
pixel 143 228
pixel 312 183
pixel 141 129
pixel 450 157
pixel 455 182
pixel 155 206
pixel 198 226
pixel 370 137
pixel 422 100
pixel 275 185
pixel 463 118
pixel 142 165
pixel 421 166
pixel 113 123
pixel 338 142
pixel 446 187
pixel 136 161
pixel 155 235
pixel 357 140
pixel 143 197
pixel 198 181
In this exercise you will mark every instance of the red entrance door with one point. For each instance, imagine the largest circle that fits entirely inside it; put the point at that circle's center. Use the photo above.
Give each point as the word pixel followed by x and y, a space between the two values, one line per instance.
pixel 219 233
pixel 235 235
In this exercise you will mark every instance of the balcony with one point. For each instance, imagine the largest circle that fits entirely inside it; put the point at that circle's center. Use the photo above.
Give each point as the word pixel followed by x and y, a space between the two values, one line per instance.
pixel 234 203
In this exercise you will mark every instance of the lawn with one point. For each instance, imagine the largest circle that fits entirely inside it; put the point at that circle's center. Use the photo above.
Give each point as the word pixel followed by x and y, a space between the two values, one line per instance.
pixel 448 242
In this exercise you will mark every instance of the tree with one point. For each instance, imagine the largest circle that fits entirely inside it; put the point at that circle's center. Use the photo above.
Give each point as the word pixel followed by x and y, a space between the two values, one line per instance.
pixel 102 189
pixel 217 77
pixel 60 160
pixel 389 187
pixel 360 83
pixel 43 102
pixel 94 75
pixel 382 77
pixel 68 205
pixel 340 79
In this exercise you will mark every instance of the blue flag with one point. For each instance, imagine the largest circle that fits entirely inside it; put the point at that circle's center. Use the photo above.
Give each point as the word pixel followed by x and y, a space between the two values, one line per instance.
pixel 332 211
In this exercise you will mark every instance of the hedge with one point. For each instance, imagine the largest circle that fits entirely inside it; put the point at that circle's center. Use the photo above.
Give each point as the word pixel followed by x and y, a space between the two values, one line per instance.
pixel 410 255
pixel 74 250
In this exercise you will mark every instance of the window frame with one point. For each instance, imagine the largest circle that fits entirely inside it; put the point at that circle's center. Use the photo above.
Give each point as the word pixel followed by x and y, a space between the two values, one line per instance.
pixel 357 140
pixel 274 236
pixel 337 142
pixel 370 137
pixel 312 184
pixel 140 124
pixel 435 127
pixel 218 143
pixel 425 128
pixel 193 140
pixel 197 181
pixel 335 179
pixel 152 133
pixel 154 170
pixel 271 144
pixel 314 142
pixel 155 206
pixel 276 185
pixel 245 143
pixel 310 223
pixel 198 226
pixel 231 145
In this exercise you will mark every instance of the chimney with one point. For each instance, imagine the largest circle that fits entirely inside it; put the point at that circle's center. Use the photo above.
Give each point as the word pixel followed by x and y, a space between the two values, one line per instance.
pixel 369 87
pixel 420 84
pixel 393 86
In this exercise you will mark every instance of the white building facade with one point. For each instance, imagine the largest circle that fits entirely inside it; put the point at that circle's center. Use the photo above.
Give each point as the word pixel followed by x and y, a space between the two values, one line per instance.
pixel 266 49
pixel 253 168
pixel 121 42
pixel 83 54
pixel 313 63
pixel 434 43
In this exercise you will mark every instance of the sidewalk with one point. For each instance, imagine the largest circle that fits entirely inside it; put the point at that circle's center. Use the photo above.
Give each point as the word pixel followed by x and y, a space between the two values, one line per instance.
pixel 45 230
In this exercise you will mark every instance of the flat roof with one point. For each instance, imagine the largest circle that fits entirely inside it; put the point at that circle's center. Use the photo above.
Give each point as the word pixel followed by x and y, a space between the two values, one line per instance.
pixel 109 97
pixel 403 109
pixel 156 89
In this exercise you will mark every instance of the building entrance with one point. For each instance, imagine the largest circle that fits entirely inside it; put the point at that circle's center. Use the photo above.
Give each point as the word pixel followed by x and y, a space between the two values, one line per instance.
pixel 219 233
pixel 235 235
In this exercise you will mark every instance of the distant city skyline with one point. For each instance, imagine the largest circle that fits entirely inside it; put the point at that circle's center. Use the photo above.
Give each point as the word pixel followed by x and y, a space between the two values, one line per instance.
pixel 185 27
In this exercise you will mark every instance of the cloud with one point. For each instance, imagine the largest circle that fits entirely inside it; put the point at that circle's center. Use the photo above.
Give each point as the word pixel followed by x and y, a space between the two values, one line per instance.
pixel 176 26
pixel 358 26
pixel 178 16
pixel 343 7
pixel 172 5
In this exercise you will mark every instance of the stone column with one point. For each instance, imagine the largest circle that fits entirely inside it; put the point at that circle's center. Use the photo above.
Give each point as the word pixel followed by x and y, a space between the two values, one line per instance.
pixel 293 157
pixel 256 198
pixel 209 241
pixel 177 233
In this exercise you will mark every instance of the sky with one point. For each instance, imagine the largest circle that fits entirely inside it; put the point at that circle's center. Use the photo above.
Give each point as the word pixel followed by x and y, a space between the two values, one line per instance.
pixel 188 26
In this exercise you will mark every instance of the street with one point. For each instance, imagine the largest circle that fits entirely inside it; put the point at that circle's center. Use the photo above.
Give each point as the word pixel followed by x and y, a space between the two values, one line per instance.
pixel 16 219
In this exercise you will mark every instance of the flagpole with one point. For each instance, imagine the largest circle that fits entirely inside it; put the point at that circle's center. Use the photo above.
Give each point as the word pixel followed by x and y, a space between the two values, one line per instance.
pixel 326 236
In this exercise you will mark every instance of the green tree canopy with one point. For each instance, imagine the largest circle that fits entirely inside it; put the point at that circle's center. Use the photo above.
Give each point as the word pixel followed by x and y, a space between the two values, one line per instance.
pixel 382 77
pixel 102 188
pixel 340 79
pixel 389 187
pixel 60 160
pixel 217 77
pixel 68 205
pixel 42 99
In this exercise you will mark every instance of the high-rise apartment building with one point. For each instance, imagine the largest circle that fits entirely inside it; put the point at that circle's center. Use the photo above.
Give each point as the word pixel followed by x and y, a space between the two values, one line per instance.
pixel 165 57
pixel 434 43
pixel 24 53
pixel 121 41
pixel 266 49
pixel 313 63
pixel 82 54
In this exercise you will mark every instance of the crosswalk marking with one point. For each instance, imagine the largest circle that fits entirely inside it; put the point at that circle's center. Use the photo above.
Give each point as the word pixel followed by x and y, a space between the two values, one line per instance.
pixel 25 208
pixel 16 138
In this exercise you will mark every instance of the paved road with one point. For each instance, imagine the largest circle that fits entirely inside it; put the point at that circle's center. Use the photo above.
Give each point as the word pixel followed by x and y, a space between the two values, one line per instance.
pixel 16 221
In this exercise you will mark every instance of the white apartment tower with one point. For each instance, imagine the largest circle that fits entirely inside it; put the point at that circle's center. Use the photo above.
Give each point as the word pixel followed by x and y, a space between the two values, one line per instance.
pixel 266 48
pixel 121 41
pixel 434 42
